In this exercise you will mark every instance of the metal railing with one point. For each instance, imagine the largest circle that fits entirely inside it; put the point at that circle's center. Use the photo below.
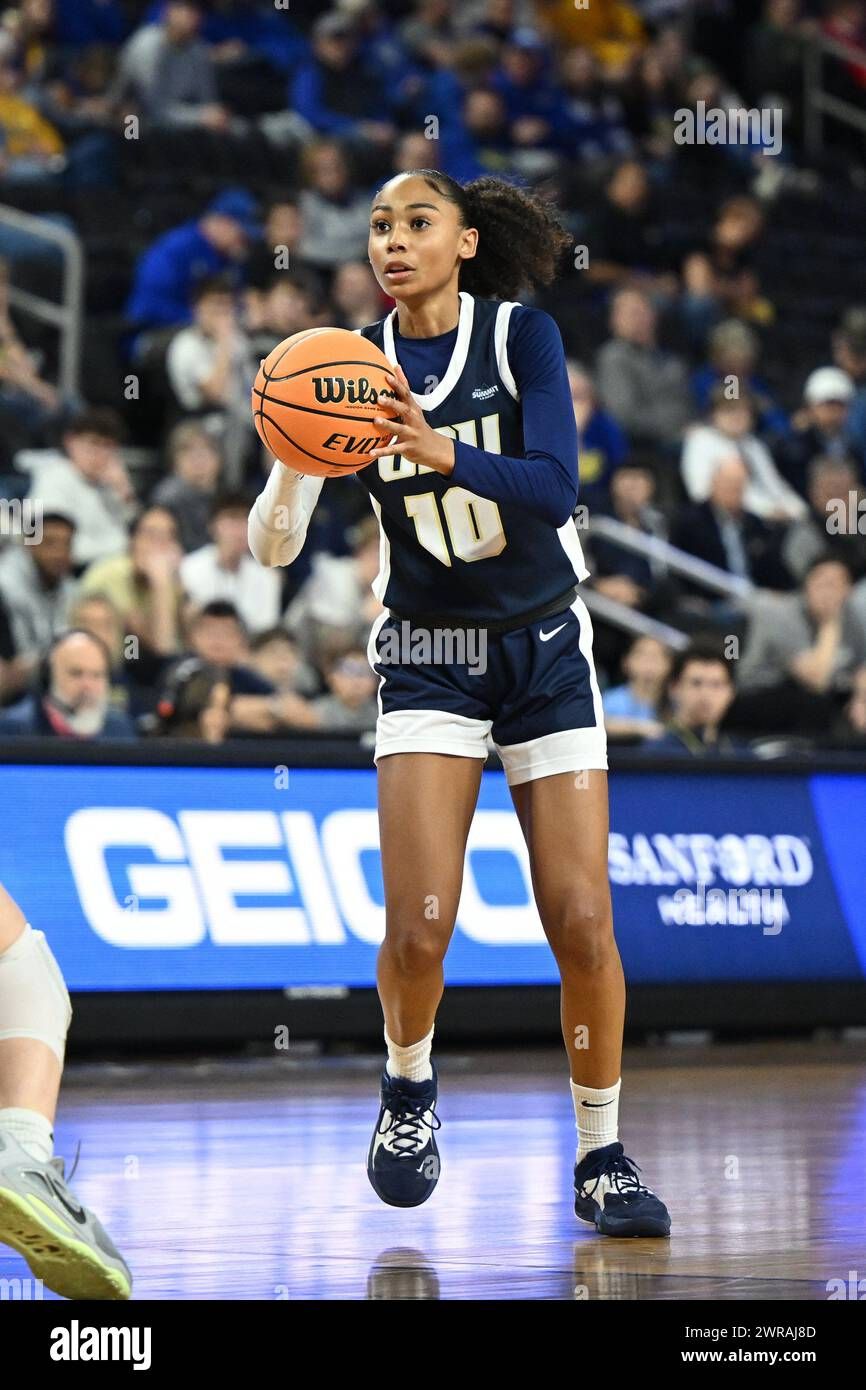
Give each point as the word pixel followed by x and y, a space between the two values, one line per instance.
pixel 817 102
pixel 66 316
pixel 631 620
pixel 679 561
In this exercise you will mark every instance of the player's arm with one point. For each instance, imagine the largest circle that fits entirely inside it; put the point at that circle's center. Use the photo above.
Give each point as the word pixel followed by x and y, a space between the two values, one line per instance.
pixel 544 481
pixel 280 515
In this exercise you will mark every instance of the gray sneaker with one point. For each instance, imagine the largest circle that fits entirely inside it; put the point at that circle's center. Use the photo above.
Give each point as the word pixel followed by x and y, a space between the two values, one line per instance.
pixel 62 1242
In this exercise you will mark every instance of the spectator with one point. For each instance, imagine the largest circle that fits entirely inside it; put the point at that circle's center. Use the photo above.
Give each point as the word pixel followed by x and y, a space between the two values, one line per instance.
pixel 89 484
pixel 167 71
pixel 849 353
pixel 215 243
pixel 612 30
pixel 479 142
pixel 72 700
pixel 278 246
pixel 644 388
pixel 291 303
pixel 142 582
pixel 218 636
pixel 834 493
pixel 195 474
pixel 730 430
pixel 278 659
pixel 814 637
pixel 719 277
pixel 700 693
pixel 773 53
pixel 95 613
pixel 356 295
pixel 849 731
pixel 626 575
pixel 30 147
pixel 336 605
pixel 336 216
pixel 733 354
pixel 195 702
pixel 594 119
pixel 534 110
pixel 336 91
pixel 226 570
pixel 819 428
pixel 211 369
pixel 623 236
pixel 722 532
pixel 351 706
pixel 601 444
pixel 429 35
pixel 633 710
pixel 36 587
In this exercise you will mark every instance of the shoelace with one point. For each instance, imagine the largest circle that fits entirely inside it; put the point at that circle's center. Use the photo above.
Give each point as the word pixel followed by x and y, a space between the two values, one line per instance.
pixel 407 1122
pixel 622 1173
pixel 59 1165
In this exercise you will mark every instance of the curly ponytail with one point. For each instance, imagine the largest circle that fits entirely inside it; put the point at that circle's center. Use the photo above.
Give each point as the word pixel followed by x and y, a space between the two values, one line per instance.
pixel 520 238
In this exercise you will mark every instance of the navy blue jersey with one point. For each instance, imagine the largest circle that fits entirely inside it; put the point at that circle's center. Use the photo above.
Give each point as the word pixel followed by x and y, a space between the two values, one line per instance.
pixel 448 550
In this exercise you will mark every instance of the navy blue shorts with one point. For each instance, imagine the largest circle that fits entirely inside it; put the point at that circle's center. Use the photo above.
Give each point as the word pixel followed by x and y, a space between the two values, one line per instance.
pixel 531 693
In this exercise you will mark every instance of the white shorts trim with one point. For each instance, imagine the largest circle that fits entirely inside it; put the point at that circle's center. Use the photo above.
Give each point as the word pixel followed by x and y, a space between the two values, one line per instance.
pixel 431 731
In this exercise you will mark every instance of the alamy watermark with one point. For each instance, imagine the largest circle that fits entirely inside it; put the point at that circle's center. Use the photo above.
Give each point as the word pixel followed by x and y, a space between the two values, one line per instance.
pixel 21 517
pixel 410 645
pixel 715 125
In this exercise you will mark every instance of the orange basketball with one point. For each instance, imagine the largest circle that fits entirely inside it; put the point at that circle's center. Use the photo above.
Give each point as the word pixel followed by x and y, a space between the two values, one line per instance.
pixel 315 398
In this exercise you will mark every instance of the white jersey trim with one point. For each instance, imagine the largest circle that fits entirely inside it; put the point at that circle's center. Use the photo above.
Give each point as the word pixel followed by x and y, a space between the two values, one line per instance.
pixel 500 338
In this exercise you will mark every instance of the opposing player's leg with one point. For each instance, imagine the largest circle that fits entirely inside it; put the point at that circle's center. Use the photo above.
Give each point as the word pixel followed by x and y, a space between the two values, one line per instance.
pixel 426 803
pixel 564 818
pixel 63 1242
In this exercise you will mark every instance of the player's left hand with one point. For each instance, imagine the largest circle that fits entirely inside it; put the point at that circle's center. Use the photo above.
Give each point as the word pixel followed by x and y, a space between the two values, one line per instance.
pixel 412 437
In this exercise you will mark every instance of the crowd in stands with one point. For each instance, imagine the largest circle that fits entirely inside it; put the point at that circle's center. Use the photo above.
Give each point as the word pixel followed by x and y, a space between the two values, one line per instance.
pixel 718 370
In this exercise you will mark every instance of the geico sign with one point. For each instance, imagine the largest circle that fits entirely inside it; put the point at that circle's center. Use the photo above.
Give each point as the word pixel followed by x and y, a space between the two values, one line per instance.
pixel 319 865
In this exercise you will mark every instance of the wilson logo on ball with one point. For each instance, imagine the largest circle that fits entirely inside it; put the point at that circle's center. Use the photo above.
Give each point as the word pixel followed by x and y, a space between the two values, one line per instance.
pixel 315 399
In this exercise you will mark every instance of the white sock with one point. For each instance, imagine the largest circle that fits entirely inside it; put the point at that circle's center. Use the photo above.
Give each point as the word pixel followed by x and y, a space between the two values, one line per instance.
pixel 597 1120
pixel 32 1131
pixel 412 1062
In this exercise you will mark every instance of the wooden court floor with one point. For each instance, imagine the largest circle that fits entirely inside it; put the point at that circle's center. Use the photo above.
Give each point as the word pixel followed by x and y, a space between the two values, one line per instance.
pixel 245 1178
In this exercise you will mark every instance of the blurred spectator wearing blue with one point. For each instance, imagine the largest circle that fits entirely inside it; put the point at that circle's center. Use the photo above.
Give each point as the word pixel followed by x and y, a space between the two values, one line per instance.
pixel 337 91
pixel 633 710
pixel 593 120
pixel 215 243
pixel 601 444
pixel 732 349
pixel 534 109
pixel 479 143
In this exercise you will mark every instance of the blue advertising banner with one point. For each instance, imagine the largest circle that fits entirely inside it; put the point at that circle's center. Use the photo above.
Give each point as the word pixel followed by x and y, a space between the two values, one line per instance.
pixel 149 878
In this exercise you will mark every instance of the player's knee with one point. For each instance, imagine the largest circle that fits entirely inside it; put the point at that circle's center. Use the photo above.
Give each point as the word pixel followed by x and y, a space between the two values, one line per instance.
pixel 415 950
pixel 582 935
pixel 34 1000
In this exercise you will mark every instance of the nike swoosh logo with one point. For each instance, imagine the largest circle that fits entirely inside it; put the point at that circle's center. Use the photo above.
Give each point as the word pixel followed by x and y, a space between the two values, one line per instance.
pixel 596 1104
pixel 546 636
pixel 77 1213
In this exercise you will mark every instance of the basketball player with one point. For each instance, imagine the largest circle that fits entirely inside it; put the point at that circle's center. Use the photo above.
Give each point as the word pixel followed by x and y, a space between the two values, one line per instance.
pixel 475 495
pixel 40 1217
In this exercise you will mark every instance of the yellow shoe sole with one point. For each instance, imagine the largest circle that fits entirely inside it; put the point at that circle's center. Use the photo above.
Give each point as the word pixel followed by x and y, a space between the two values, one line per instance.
pixel 64 1264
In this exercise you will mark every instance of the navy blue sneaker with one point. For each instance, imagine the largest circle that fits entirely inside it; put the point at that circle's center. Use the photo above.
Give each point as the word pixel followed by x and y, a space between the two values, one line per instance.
pixel 608 1194
pixel 403 1162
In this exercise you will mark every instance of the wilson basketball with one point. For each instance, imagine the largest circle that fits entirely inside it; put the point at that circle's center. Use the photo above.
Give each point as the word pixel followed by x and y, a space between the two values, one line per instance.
pixel 315 398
